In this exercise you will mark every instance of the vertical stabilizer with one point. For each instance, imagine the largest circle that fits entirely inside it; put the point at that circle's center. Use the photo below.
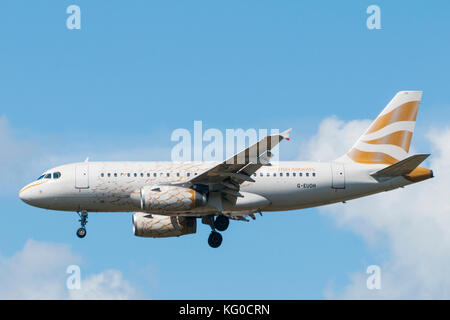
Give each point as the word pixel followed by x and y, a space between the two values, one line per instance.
pixel 388 138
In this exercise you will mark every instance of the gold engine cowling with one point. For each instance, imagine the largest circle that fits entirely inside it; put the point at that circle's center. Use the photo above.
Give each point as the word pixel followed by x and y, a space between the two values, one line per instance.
pixel 156 226
pixel 170 199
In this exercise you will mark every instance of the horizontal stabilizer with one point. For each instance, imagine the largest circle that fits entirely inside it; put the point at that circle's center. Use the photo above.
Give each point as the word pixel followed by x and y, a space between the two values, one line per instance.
pixel 402 167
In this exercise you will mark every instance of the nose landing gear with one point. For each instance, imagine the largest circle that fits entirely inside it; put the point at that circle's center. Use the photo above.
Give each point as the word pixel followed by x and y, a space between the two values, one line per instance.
pixel 81 232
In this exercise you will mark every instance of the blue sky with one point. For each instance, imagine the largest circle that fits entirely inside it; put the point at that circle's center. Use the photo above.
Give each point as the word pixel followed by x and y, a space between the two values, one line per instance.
pixel 137 70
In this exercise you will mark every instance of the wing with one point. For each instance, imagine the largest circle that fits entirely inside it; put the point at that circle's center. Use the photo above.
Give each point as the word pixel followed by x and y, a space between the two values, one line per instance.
pixel 224 179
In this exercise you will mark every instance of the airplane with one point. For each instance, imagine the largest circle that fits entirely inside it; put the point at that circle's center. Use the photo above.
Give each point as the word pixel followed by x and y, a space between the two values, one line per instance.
pixel 168 197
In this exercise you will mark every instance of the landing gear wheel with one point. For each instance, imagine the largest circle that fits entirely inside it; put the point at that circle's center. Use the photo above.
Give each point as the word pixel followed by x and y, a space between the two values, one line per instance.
pixel 221 223
pixel 215 239
pixel 81 232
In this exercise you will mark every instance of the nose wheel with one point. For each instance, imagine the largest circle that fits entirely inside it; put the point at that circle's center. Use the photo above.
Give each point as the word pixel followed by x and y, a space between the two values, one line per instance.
pixel 81 232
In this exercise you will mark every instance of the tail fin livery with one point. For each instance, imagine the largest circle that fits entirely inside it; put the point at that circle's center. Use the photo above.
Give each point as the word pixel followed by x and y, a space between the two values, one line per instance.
pixel 388 138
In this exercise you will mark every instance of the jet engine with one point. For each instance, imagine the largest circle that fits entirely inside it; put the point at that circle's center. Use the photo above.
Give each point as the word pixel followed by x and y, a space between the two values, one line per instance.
pixel 156 226
pixel 170 198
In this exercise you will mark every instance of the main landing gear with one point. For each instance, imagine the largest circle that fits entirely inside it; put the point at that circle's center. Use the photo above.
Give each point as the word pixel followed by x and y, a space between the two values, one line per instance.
pixel 221 223
pixel 214 239
pixel 81 232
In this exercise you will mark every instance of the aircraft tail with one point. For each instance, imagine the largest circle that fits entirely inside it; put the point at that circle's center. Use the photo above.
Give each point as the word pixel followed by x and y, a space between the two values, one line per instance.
pixel 402 167
pixel 388 138
pixel 408 168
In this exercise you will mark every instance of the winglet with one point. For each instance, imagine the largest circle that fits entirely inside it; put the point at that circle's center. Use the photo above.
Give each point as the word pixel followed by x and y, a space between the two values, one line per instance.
pixel 285 134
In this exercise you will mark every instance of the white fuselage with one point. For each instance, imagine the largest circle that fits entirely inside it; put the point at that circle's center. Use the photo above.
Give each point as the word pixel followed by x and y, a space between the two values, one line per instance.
pixel 112 186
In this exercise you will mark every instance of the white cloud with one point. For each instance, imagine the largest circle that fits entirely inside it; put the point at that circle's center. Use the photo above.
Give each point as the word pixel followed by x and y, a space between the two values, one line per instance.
pixel 411 226
pixel 38 271
pixel 333 139
pixel 106 285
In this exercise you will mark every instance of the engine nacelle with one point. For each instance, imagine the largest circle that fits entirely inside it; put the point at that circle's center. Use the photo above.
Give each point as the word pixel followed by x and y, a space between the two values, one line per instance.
pixel 156 226
pixel 170 199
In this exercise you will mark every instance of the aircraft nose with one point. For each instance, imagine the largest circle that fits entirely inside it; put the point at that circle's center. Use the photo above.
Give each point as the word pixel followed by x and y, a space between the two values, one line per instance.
pixel 27 194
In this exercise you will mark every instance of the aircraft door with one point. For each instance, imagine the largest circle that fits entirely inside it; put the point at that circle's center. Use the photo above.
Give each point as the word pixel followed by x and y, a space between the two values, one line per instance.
pixel 82 176
pixel 338 175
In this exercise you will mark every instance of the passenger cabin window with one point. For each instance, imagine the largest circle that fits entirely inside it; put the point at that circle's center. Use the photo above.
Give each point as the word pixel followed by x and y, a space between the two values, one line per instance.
pixel 188 174
pixel 155 174
pixel 287 174
pixel 281 174
pixel 115 174
pixel 148 175
pixel 314 174
pixel 294 174
pixel 307 174
pixel 142 174
pixel 56 175
pixel 109 175
pixel 102 174
pixel 300 174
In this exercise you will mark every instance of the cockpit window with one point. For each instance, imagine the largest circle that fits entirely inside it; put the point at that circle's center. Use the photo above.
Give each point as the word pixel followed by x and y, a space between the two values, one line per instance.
pixel 40 177
pixel 48 176
pixel 56 175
